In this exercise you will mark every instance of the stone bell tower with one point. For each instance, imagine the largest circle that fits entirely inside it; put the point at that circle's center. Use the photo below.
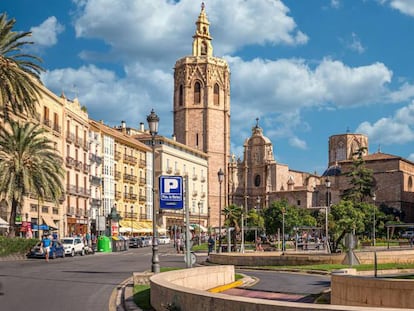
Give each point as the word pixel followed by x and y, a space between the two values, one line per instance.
pixel 202 109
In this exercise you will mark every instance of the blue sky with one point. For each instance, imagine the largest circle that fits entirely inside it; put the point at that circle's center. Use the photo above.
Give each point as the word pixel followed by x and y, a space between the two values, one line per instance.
pixel 307 69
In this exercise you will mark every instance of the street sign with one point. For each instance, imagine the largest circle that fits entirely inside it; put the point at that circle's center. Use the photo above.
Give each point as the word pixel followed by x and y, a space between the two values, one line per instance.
pixel 171 192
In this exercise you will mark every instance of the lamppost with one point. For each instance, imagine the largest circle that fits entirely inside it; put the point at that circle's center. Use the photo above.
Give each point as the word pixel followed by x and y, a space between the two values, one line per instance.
pixel 153 120
pixel 283 229
pixel 328 205
pixel 374 197
pixel 199 223
pixel 220 175
pixel 257 209
pixel 132 218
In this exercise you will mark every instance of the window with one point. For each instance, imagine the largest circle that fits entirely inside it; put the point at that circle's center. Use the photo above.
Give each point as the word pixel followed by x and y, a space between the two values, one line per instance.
pixel 216 97
pixel 181 96
pixel 410 183
pixel 197 93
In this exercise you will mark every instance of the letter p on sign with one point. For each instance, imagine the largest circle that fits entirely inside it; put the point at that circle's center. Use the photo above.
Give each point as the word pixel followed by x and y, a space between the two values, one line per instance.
pixel 170 185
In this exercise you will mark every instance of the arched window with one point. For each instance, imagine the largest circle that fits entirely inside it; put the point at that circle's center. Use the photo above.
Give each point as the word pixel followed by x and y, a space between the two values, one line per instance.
pixel 197 93
pixel 181 96
pixel 203 48
pixel 216 94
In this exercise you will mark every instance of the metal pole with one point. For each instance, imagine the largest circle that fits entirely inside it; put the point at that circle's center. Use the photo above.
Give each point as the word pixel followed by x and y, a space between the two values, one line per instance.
pixel 155 260
pixel 219 235
pixel 132 218
pixel 38 218
pixel 373 225
pixel 199 223
pixel 188 262
pixel 242 237
pixel 326 229
pixel 283 230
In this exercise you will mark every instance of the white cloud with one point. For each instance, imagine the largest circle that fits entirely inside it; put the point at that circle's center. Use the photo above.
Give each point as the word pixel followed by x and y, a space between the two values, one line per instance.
pixel 298 143
pixel 335 4
pixel 397 129
pixel 356 44
pixel 404 6
pixel 45 35
pixel 159 38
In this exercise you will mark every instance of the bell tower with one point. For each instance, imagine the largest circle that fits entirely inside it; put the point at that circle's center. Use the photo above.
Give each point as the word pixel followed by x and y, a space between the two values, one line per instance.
pixel 202 109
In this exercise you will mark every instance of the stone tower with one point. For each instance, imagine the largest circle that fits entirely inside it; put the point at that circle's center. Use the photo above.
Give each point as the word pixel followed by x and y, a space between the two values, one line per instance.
pixel 202 109
pixel 343 146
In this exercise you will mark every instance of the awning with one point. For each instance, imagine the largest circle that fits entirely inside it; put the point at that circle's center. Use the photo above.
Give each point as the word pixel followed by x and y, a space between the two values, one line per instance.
pixel 138 226
pixel 3 223
pixel 49 221
pixel 196 226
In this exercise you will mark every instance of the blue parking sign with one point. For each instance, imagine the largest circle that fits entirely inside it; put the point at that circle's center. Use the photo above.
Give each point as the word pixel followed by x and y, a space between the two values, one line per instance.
pixel 171 192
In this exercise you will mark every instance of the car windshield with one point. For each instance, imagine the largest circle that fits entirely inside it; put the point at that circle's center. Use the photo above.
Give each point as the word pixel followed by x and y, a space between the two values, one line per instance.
pixel 67 241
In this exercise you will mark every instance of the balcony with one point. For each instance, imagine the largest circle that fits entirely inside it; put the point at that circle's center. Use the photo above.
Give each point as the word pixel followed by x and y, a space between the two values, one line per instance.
pixel 70 137
pixel 47 122
pixel 203 179
pixel 142 163
pixel 130 159
pixel 85 144
pixel 177 172
pixel 70 210
pixel 130 197
pixel 130 178
pixel 95 158
pixel 57 128
pixel 86 168
pixel 169 170
pixel 83 192
pixel 78 165
pixel 194 193
pixel 71 189
pixel 203 194
pixel 78 141
pixel 70 162
pixel 142 198
pixel 94 180
pixel 143 216
pixel 117 155
pixel 95 202
pixel 118 175
pixel 195 177
pixel 118 195
pixel 142 181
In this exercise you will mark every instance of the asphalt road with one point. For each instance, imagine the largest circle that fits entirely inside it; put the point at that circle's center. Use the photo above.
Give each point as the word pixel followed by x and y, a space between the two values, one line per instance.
pixel 86 283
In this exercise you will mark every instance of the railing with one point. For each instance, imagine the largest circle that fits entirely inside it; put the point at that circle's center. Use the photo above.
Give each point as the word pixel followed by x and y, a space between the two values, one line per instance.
pixel 118 175
pixel 130 159
pixel 57 128
pixel 142 163
pixel 86 168
pixel 70 137
pixel 177 172
pixel 195 177
pixel 78 165
pixel 117 155
pixel 194 193
pixel 70 162
pixel 94 180
pixel 169 170
pixel 130 196
pixel 118 195
pixel 142 181
pixel 95 158
pixel 130 178
pixel 142 198
pixel 47 122
pixel 95 202
pixel 203 179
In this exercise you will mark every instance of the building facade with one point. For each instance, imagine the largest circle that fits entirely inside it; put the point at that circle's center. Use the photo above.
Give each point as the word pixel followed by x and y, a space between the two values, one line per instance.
pixel 202 109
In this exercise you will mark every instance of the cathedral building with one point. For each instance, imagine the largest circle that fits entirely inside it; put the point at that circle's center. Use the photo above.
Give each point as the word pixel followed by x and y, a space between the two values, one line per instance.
pixel 202 110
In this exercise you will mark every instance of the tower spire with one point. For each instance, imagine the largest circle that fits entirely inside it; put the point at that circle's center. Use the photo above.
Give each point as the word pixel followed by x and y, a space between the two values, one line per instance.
pixel 202 39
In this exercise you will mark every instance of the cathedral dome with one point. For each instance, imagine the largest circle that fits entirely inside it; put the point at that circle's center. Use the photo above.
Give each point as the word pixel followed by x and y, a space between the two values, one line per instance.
pixel 333 170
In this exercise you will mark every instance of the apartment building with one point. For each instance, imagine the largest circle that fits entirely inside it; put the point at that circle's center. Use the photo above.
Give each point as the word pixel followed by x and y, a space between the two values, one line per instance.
pixel 77 168
pixel 124 174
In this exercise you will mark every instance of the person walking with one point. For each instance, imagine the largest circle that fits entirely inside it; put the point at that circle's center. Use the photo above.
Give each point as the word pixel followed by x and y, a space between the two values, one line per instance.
pixel 210 243
pixel 46 243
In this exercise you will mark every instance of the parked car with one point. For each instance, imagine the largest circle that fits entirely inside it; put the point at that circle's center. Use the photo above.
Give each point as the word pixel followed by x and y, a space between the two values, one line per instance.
pixel 146 241
pixel 163 239
pixel 407 234
pixel 56 250
pixel 135 242
pixel 73 246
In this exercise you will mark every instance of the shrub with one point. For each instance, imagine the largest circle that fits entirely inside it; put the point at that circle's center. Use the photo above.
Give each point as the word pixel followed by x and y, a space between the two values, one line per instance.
pixel 10 246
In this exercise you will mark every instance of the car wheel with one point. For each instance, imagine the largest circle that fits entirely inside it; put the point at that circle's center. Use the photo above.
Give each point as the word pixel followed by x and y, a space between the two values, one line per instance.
pixel 83 252
pixel 73 253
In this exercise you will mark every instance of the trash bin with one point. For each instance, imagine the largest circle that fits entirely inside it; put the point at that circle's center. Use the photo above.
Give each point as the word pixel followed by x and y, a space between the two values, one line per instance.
pixel 115 244
pixel 123 243
pixel 104 244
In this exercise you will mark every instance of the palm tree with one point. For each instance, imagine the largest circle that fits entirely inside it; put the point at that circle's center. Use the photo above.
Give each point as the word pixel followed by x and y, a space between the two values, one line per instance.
pixel 19 72
pixel 28 164
pixel 233 217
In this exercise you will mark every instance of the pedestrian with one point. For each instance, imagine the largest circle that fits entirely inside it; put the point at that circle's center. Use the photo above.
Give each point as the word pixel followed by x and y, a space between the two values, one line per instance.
pixel 46 243
pixel 259 244
pixel 210 244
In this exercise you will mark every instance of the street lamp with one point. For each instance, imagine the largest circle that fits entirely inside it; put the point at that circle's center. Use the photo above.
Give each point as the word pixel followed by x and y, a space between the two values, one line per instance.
pixel 374 197
pixel 283 229
pixel 257 209
pixel 328 205
pixel 132 218
pixel 199 223
pixel 220 175
pixel 153 120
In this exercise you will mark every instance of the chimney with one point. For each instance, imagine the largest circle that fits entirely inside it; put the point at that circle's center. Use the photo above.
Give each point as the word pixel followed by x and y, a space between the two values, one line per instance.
pixel 123 126
pixel 173 137
pixel 141 127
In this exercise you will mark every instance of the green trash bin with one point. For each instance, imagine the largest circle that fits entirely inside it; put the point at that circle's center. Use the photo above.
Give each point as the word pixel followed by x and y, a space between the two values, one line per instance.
pixel 104 244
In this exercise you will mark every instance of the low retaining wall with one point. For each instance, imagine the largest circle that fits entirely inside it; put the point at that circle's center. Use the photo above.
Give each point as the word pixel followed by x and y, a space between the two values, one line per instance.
pixel 354 290
pixel 187 290
pixel 300 259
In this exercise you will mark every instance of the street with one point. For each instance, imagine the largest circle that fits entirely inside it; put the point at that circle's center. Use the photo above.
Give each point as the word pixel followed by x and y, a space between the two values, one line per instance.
pixel 86 283
pixel 78 283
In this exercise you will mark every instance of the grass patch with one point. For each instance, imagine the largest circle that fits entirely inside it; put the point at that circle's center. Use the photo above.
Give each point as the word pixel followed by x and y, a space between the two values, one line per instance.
pixel 142 297
pixel 10 246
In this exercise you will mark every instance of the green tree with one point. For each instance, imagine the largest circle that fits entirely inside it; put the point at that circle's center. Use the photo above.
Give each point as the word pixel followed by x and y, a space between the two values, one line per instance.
pixel 294 217
pixel 28 164
pixel 19 72
pixel 361 180
pixel 233 217
pixel 346 218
